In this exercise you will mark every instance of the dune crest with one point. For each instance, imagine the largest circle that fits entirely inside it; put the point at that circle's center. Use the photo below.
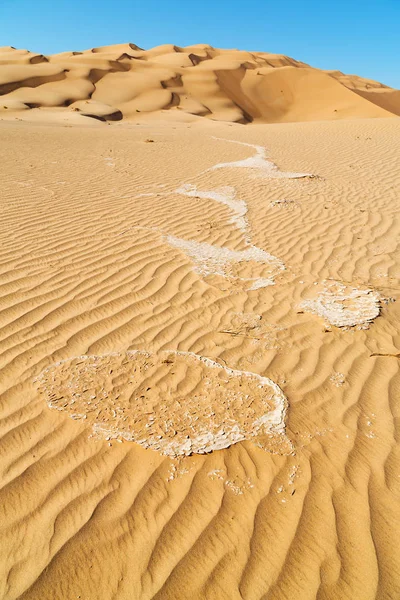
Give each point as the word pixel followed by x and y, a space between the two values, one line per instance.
pixel 122 81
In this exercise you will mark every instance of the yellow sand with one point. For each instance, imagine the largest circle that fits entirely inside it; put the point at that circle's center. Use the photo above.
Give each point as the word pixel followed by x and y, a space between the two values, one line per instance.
pixel 125 82
pixel 90 267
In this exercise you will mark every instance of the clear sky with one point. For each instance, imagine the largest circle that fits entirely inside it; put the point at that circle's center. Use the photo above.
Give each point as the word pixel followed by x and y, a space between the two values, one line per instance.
pixel 354 36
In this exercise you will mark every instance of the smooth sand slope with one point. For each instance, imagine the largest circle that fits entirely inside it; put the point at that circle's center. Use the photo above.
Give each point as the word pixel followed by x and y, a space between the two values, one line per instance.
pixel 124 81
pixel 199 333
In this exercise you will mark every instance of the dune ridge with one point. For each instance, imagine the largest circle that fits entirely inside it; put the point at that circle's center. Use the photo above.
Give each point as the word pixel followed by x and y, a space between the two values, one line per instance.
pixel 123 81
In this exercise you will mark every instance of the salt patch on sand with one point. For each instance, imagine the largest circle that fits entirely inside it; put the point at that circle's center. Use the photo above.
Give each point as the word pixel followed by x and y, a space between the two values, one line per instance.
pixel 177 403
pixel 213 260
pixel 259 283
pixel 252 265
pixel 344 306
pixel 225 195
pixel 258 161
pixel 144 195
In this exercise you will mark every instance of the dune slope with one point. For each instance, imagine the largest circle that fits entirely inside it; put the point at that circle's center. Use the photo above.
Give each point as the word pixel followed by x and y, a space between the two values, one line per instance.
pixel 124 82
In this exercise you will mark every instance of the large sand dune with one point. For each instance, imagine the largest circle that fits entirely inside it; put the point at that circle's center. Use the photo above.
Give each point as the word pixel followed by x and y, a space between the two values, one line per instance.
pixel 124 81
pixel 199 329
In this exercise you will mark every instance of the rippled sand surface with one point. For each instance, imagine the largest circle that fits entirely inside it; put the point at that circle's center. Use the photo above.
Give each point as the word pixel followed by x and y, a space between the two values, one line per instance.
pixel 262 313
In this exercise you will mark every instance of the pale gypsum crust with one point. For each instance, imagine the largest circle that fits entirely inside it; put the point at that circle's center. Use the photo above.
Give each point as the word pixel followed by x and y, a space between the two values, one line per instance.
pixel 226 196
pixel 344 306
pixel 221 406
pixel 259 162
pixel 214 260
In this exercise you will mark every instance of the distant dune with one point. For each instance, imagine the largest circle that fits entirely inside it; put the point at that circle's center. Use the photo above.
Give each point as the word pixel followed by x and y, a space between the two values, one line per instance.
pixel 122 81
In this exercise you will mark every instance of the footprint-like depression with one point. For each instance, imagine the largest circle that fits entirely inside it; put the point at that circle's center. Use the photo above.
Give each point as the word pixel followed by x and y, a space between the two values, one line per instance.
pixel 176 403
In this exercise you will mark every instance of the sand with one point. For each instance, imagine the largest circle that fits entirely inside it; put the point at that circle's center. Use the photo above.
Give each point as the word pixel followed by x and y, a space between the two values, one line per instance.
pixel 125 82
pixel 199 363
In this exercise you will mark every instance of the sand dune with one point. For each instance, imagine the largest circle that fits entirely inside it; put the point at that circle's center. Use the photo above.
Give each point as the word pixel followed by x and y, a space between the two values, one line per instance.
pixel 125 270
pixel 125 81
pixel 199 328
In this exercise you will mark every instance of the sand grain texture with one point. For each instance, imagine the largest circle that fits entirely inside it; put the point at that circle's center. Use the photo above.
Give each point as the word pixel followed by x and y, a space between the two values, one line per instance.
pixel 90 266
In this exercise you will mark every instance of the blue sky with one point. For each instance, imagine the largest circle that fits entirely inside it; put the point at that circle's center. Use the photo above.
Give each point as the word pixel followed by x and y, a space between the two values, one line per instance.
pixel 354 36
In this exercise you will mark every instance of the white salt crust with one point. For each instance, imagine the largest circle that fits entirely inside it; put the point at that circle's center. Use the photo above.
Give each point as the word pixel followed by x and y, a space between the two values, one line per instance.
pixel 344 306
pixel 212 260
pixel 259 162
pixel 200 435
pixel 226 196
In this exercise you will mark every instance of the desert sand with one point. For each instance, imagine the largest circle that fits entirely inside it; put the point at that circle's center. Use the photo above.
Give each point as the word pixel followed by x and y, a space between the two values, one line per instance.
pixel 126 82
pixel 199 373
